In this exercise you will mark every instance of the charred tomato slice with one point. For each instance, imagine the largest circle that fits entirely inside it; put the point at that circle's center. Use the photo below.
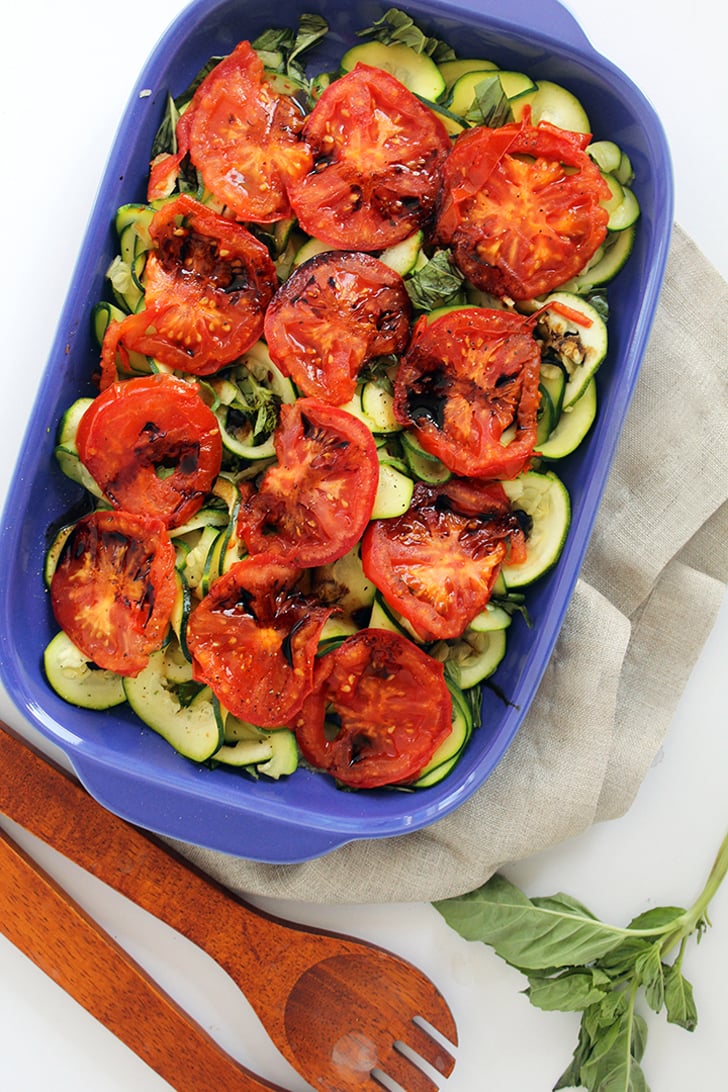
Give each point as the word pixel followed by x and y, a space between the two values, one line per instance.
pixel 379 710
pixel 437 563
pixel 114 588
pixel 253 639
pixel 521 207
pixel 207 283
pixel 243 137
pixel 377 157
pixel 312 506
pixel 469 387
pixel 335 313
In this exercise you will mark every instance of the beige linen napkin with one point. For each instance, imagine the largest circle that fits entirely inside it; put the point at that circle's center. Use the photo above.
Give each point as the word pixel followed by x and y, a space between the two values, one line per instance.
pixel 659 552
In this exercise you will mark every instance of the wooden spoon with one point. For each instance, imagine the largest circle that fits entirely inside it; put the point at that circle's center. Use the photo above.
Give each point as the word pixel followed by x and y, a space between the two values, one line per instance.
pixel 338 1009
pixel 42 920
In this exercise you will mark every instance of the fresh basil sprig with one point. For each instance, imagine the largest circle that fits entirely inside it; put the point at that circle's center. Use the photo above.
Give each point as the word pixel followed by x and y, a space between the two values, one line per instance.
pixel 280 49
pixel 397 27
pixel 576 963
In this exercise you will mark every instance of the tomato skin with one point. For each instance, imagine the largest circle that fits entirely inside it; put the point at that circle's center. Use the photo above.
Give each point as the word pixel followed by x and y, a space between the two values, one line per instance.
pixel 377 159
pixel 313 505
pixel 334 313
pixel 207 284
pixel 253 640
pixel 114 588
pixel 392 706
pixel 437 563
pixel 466 377
pixel 244 139
pixel 520 207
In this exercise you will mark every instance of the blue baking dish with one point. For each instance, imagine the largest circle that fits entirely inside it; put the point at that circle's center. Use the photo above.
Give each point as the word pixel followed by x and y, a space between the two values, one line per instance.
pixel 125 766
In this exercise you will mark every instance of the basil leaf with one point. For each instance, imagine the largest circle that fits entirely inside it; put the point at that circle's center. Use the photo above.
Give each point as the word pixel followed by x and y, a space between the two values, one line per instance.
pixel 561 903
pixel 600 302
pixel 613 1063
pixel 257 402
pixel 187 692
pixel 395 26
pixel 165 140
pixel 601 1022
pixel 526 935
pixel 648 969
pixel 436 284
pixel 377 370
pixel 626 1077
pixel 279 48
pixel 639 1036
pixel 679 1001
pixel 274 40
pixel 657 918
pixel 612 1006
pixel 311 29
pixel 569 992
pixel 473 696
pixel 490 105
pixel 602 1038
pixel 621 959
pixel 513 603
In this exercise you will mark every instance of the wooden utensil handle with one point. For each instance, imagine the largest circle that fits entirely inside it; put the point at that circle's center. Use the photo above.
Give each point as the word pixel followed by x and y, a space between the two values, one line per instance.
pixel 40 919
pixel 55 808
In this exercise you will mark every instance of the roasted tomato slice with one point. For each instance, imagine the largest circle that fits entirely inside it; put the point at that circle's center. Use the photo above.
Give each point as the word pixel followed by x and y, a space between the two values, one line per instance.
pixel 521 208
pixel 114 588
pixel 379 710
pixel 244 139
pixel 437 563
pixel 312 506
pixel 336 312
pixel 207 284
pixel 377 156
pixel 468 385
pixel 152 446
pixel 253 640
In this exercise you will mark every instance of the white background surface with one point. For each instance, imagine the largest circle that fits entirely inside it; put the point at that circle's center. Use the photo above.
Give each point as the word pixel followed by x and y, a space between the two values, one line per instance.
pixel 67 71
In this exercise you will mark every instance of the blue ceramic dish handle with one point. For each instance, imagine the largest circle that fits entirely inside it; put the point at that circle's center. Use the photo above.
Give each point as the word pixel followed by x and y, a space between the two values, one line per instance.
pixel 284 840
pixel 547 17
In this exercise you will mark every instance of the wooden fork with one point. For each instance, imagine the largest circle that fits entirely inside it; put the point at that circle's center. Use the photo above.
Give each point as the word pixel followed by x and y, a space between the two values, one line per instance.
pixel 343 1012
